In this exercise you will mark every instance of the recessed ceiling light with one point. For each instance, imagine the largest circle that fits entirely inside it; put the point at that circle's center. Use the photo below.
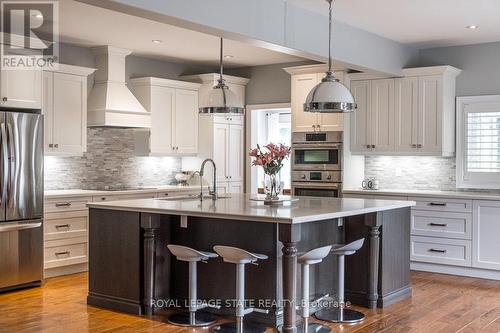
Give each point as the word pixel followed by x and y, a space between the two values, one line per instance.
pixel 472 27
pixel 156 41
pixel 228 56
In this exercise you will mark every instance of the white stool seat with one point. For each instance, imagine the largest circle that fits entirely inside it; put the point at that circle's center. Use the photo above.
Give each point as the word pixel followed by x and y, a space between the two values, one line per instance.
pixel 314 256
pixel 347 249
pixel 236 255
pixel 185 253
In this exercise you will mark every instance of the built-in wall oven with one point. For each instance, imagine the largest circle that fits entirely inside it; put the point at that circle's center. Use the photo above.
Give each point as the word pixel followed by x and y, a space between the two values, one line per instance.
pixel 317 164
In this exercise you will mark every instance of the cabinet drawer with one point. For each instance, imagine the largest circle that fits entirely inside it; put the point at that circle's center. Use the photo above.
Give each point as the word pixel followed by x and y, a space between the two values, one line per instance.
pixel 65 225
pixel 66 204
pixel 437 224
pixel 443 204
pixel 176 193
pixel 65 252
pixel 122 197
pixel 441 250
pixel 374 196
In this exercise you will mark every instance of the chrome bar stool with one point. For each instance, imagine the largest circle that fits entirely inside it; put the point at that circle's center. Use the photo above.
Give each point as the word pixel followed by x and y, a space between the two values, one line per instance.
pixel 240 257
pixel 340 314
pixel 192 256
pixel 310 258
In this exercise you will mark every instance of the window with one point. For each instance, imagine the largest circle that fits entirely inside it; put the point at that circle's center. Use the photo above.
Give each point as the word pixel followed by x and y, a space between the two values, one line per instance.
pixel 478 142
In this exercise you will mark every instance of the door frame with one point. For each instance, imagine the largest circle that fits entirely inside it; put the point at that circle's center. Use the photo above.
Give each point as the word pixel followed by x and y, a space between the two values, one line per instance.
pixel 249 130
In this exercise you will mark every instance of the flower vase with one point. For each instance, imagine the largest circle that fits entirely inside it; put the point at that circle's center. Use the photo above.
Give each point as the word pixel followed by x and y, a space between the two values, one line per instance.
pixel 273 186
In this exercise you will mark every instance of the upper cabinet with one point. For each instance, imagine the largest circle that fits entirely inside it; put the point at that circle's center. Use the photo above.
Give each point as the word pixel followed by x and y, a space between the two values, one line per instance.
pixel 174 116
pixel 413 115
pixel 304 78
pixel 21 89
pixel 65 110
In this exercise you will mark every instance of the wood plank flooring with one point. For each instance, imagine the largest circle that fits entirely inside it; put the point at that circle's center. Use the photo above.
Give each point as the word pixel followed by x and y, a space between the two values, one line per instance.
pixel 440 304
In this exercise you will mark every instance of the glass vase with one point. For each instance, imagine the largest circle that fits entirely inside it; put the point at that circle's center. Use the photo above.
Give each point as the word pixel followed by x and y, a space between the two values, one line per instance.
pixel 273 186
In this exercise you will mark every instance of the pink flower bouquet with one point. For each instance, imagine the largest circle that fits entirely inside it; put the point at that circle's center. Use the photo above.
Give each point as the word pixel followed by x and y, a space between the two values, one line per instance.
pixel 271 158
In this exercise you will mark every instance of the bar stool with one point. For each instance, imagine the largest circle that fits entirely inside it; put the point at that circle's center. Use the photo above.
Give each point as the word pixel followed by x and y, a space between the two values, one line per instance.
pixel 192 256
pixel 340 314
pixel 240 257
pixel 310 258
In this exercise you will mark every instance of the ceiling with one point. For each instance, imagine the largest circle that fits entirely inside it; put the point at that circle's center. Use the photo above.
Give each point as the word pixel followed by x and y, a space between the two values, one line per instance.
pixel 421 23
pixel 86 25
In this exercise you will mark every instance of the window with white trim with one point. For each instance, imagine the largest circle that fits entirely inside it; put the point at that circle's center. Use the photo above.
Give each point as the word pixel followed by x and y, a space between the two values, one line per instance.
pixel 478 142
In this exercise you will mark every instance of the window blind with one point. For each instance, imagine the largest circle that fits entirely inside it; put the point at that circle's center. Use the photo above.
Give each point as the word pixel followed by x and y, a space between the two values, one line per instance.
pixel 483 141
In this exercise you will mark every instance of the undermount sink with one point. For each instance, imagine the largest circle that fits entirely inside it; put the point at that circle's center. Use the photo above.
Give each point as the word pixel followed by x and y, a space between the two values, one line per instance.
pixel 193 197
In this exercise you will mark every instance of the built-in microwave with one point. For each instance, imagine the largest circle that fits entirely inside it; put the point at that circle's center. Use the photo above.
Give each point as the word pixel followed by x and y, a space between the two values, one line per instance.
pixel 317 151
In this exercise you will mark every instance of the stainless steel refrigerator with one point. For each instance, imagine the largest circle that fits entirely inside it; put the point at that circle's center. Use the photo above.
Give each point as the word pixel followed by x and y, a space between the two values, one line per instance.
pixel 21 198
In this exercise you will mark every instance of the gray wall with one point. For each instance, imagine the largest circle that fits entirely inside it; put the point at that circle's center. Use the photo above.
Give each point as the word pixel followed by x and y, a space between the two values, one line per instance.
pixel 480 64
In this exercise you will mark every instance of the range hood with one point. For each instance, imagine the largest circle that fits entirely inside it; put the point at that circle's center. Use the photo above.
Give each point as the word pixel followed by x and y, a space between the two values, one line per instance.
pixel 111 103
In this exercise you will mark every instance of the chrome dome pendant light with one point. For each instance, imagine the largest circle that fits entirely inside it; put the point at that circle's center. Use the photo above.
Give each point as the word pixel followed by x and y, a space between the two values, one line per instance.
pixel 330 95
pixel 221 99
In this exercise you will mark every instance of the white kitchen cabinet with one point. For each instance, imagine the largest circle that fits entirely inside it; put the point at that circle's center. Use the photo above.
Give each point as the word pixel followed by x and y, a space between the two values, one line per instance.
pixel 174 116
pixel 304 79
pixel 486 234
pixel 65 110
pixel 222 139
pixel 21 89
pixel 413 115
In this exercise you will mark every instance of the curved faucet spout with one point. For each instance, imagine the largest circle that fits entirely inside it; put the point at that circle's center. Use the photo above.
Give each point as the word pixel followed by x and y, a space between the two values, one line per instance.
pixel 212 192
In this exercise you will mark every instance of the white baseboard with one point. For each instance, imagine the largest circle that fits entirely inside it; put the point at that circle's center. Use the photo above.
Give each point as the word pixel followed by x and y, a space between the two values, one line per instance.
pixel 456 270
pixel 65 270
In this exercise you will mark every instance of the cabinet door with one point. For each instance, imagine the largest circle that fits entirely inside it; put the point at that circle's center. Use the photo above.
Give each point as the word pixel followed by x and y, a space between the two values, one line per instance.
pixel 221 150
pixel 485 234
pixel 162 109
pixel 406 114
pixel 48 112
pixel 21 89
pixel 185 122
pixel 70 114
pixel 236 154
pixel 301 86
pixel 235 187
pixel 330 121
pixel 381 119
pixel 360 142
pixel 430 113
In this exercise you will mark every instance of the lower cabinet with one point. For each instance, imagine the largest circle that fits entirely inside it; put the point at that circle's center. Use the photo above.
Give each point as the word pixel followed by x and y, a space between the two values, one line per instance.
pixel 229 187
pixel 486 235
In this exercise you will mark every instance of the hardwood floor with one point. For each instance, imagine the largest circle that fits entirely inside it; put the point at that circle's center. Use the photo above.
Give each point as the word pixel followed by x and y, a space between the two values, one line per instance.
pixel 440 303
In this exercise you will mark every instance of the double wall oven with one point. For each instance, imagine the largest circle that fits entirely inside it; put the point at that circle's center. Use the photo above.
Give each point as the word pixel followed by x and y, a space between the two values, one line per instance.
pixel 317 164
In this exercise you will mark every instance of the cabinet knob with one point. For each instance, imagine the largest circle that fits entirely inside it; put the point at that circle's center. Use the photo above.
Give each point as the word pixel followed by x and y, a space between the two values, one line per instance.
pixel 420 145
pixel 373 146
pixel 4 99
pixel 303 177
pixel 329 177
pixel 368 146
pixel 414 146
pixel 56 145
pixel 51 145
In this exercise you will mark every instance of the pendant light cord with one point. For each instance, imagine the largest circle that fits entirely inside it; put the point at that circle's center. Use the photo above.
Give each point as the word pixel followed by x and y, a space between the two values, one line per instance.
pixel 330 36
pixel 220 60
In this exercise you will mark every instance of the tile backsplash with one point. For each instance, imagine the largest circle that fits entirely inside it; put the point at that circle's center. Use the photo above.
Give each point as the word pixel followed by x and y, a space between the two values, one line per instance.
pixel 412 172
pixel 109 161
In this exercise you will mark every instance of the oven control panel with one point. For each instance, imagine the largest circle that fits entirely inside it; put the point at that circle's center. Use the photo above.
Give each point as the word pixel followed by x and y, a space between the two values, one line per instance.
pixel 317 176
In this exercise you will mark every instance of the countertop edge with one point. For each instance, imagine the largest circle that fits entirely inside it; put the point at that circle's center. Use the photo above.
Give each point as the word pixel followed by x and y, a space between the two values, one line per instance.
pixel 52 194
pixel 424 193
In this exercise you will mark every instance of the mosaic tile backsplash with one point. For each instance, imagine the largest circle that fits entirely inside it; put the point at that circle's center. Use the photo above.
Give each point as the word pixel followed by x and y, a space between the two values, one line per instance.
pixel 412 172
pixel 109 161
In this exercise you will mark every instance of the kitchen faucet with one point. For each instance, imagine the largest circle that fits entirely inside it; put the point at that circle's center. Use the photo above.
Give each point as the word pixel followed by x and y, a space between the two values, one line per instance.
pixel 213 192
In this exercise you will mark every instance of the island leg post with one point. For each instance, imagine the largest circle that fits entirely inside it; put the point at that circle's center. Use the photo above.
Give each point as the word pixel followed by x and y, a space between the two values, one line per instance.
pixel 289 235
pixel 149 223
pixel 373 221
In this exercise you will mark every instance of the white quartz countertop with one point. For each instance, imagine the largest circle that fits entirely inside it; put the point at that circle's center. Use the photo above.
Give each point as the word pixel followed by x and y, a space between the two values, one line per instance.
pixel 79 193
pixel 423 193
pixel 240 207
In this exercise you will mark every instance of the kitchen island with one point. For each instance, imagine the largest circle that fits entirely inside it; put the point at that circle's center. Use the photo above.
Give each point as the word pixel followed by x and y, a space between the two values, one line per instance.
pixel 130 268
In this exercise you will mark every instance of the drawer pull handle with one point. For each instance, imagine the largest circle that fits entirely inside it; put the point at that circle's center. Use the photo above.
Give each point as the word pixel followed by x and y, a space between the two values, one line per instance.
pixel 437 204
pixel 62 253
pixel 103 198
pixel 62 226
pixel 63 204
pixel 437 250
pixel 433 224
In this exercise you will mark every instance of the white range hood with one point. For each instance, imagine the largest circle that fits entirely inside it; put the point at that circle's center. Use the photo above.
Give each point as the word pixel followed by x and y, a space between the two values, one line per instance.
pixel 111 103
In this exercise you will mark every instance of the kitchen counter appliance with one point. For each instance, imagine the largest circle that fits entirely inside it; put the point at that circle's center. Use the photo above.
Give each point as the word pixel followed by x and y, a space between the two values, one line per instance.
pixel 317 164
pixel 21 199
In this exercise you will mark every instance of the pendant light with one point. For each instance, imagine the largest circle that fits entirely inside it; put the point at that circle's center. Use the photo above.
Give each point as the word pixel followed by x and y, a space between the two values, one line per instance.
pixel 330 95
pixel 221 99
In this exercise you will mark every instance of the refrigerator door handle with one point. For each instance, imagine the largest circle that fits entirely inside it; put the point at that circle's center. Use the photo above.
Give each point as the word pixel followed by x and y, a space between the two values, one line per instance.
pixel 19 226
pixel 5 161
